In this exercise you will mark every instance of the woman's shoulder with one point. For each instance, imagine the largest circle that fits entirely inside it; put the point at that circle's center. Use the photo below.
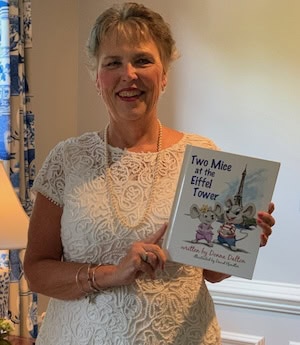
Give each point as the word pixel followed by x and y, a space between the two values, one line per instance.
pixel 82 139
pixel 176 139
pixel 65 150
pixel 199 140
pixel 81 142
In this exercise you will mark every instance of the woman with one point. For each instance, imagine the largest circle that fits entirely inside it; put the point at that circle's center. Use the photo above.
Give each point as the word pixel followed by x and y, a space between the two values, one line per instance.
pixel 103 200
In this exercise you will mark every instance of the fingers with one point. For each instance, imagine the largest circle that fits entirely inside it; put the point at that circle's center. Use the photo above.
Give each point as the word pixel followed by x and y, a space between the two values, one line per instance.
pixel 153 255
pixel 264 217
pixel 156 237
pixel 266 221
pixel 151 259
pixel 152 252
pixel 147 268
pixel 143 257
pixel 149 264
pixel 132 267
pixel 143 261
pixel 266 232
pixel 263 240
pixel 271 208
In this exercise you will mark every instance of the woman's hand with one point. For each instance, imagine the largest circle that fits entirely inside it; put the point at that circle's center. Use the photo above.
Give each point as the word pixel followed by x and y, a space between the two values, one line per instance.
pixel 143 257
pixel 266 221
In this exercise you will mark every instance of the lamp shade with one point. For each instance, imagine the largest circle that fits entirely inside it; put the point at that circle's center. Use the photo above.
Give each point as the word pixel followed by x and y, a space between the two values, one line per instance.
pixel 13 219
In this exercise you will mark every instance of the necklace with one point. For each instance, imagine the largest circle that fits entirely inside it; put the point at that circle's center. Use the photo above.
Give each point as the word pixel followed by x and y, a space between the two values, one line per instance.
pixel 109 183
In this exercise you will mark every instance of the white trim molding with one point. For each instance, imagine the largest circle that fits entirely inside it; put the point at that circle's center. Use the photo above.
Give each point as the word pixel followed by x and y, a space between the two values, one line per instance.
pixel 229 338
pixel 293 343
pixel 256 294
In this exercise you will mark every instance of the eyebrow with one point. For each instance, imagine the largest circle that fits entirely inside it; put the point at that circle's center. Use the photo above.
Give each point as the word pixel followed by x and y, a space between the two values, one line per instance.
pixel 109 57
pixel 141 54
pixel 136 55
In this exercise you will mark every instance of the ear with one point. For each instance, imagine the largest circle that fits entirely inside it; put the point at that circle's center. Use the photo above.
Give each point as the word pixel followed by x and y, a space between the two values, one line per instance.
pixel 249 210
pixel 218 210
pixel 164 82
pixel 229 202
pixel 194 211
pixel 98 86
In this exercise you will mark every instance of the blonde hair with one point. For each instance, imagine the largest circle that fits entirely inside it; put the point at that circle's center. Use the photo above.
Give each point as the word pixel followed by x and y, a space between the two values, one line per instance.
pixel 136 23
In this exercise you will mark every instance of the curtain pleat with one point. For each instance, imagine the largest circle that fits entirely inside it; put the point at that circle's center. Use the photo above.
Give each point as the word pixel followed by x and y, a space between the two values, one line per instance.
pixel 17 149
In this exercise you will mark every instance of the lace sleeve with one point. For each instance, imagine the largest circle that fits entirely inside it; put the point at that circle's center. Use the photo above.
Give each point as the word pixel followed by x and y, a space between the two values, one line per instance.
pixel 50 180
pixel 198 140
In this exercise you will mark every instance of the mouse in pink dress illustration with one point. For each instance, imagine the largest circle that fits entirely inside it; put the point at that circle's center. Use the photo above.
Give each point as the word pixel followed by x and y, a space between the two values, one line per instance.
pixel 207 216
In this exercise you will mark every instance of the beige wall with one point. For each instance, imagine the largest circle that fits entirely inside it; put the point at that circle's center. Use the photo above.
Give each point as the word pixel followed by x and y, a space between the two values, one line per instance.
pixel 55 72
pixel 54 76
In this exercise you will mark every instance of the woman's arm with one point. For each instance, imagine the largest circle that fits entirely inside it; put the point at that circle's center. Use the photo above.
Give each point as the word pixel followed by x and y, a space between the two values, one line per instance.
pixel 44 270
pixel 46 273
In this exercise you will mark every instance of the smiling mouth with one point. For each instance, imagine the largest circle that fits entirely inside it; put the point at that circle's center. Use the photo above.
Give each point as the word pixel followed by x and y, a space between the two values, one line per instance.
pixel 130 93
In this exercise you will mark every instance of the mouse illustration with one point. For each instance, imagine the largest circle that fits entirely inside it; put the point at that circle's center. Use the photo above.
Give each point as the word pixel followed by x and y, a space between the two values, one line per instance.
pixel 207 216
pixel 233 215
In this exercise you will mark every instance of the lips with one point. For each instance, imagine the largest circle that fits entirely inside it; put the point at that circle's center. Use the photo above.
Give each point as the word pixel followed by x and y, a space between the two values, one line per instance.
pixel 130 93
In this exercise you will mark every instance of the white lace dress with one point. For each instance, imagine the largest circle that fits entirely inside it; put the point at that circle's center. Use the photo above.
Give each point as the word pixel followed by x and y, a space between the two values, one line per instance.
pixel 175 308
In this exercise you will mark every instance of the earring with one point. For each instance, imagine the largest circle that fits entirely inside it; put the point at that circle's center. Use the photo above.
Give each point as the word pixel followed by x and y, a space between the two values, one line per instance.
pixel 99 92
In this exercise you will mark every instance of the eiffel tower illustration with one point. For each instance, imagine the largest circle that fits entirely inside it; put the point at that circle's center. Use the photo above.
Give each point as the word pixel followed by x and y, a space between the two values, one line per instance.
pixel 238 198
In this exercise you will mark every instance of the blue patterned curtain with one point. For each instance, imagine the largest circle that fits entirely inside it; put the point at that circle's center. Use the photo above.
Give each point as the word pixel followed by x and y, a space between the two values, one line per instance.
pixel 17 150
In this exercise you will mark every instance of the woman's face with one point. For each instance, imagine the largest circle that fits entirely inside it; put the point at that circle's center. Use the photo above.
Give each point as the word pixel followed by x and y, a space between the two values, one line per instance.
pixel 130 78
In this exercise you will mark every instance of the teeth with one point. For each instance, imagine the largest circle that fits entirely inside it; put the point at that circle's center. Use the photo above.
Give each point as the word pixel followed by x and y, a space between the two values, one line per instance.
pixel 129 93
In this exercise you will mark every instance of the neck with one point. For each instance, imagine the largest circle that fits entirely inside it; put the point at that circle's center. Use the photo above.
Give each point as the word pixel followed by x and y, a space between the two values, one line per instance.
pixel 135 138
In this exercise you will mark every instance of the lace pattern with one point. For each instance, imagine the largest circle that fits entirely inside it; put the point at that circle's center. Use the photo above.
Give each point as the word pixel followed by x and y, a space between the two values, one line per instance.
pixel 176 308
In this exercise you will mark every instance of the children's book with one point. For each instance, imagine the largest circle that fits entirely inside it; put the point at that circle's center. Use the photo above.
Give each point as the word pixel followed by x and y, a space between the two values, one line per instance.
pixel 213 218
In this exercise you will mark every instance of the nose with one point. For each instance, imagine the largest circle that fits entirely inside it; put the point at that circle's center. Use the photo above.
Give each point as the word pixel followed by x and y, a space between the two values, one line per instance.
pixel 129 72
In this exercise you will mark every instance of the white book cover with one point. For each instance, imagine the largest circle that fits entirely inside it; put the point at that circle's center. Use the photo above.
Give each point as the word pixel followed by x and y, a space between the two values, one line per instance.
pixel 213 218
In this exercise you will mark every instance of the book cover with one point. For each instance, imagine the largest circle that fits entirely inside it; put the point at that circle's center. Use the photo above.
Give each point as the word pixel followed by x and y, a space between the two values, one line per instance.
pixel 213 218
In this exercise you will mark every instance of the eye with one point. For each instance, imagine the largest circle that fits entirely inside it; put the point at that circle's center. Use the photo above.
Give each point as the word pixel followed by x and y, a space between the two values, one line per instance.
pixel 143 61
pixel 237 211
pixel 112 64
